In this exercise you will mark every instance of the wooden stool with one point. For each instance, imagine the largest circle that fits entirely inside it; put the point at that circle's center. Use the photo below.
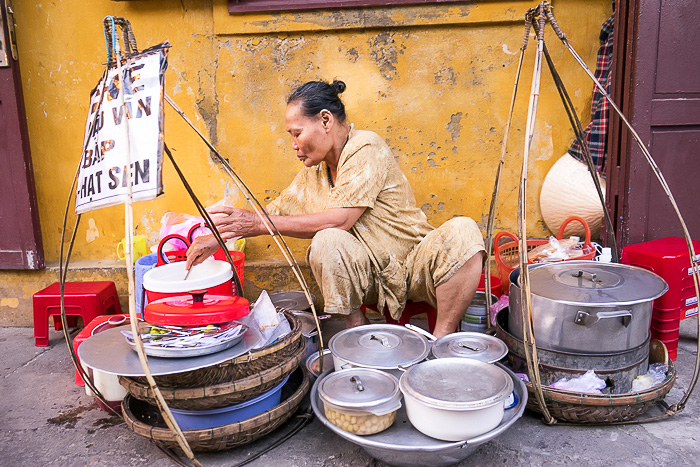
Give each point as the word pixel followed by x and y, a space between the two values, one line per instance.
pixel 412 309
pixel 86 300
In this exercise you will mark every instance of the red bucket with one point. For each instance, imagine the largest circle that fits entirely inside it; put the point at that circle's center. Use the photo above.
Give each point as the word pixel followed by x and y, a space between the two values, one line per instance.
pixel 495 285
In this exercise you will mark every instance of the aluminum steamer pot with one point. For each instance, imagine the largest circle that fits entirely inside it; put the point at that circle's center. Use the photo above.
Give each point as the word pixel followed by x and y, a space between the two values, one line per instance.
pixel 585 306
pixel 455 399
pixel 381 346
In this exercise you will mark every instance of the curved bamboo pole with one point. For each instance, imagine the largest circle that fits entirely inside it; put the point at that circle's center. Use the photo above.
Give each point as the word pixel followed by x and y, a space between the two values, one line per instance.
pixel 267 222
pixel 497 183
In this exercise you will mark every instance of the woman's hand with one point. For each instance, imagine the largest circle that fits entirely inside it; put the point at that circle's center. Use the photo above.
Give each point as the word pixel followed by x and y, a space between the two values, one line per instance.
pixel 235 223
pixel 201 248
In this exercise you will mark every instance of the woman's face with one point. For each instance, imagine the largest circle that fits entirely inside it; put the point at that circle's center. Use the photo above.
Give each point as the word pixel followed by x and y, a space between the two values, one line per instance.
pixel 310 138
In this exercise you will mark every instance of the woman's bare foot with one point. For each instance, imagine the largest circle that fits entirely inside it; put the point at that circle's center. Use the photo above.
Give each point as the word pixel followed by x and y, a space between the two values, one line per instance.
pixel 356 318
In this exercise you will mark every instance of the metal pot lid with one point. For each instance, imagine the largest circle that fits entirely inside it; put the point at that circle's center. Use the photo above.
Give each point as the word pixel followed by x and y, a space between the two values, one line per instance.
pixel 383 346
pixel 308 325
pixel 592 283
pixel 473 345
pixel 360 389
pixel 456 383
pixel 294 300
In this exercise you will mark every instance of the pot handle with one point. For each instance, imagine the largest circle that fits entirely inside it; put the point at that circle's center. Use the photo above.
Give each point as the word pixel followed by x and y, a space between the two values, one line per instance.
pixel 358 382
pixel 584 318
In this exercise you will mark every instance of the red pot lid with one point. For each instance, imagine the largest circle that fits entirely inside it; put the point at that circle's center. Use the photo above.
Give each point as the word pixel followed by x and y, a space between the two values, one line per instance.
pixel 196 309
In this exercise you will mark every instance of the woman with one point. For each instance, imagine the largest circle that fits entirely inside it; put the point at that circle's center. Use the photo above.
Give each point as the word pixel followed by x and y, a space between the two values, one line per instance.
pixel 371 244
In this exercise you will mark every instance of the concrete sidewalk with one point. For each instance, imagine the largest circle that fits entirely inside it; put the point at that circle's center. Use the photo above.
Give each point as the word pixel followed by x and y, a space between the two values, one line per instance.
pixel 45 419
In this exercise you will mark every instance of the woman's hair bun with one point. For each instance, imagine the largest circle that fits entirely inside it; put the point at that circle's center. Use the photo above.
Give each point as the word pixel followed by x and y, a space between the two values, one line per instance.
pixel 338 86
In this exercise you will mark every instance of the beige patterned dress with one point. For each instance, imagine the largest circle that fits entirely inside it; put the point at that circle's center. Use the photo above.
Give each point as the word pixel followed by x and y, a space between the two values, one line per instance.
pixel 391 254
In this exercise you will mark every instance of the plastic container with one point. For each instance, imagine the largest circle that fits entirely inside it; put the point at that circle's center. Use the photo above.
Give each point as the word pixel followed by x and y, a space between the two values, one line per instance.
pixel 471 327
pixel 361 401
pixel 196 309
pixel 141 267
pixel 106 383
pixel 199 419
pixel 605 256
pixel 169 280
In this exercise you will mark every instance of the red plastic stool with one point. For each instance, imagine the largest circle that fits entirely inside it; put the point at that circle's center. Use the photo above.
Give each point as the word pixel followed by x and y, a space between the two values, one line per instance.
pixel 412 309
pixel 84 299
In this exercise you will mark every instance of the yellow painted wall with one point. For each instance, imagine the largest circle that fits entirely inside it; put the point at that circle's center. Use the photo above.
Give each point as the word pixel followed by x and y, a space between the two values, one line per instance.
pixel 434 80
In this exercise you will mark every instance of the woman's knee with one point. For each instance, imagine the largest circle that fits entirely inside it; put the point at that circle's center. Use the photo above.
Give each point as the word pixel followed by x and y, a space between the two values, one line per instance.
pixel 328 243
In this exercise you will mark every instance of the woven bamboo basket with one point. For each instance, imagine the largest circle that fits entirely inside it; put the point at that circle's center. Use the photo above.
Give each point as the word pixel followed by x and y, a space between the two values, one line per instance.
pixel 219 395
pixel 145 420
pixel 248 364
pixel 601 409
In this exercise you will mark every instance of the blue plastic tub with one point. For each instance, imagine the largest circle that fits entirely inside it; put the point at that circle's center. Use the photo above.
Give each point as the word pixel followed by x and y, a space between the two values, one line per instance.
pixel 198 419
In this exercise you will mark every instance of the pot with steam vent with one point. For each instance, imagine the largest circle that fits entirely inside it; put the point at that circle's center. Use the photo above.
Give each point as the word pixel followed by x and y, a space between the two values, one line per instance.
pixel 586 306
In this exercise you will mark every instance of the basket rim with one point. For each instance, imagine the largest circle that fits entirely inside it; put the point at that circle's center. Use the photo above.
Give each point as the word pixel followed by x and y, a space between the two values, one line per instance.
pixel 608 400
pixel 207 434
pixel 286 340
pixel 140 390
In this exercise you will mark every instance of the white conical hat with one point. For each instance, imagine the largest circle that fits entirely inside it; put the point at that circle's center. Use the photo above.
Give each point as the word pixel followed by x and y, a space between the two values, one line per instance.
pixel 568 190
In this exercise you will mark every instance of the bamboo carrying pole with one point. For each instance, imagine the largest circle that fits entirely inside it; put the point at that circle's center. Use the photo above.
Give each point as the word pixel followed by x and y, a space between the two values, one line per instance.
pixel 497 183
pixel 543 13
pixel 115 58
pixel 128 246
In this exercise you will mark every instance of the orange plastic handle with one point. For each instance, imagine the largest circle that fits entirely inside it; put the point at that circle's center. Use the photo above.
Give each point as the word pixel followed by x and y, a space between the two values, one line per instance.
pixel 583 222
pixel 500 235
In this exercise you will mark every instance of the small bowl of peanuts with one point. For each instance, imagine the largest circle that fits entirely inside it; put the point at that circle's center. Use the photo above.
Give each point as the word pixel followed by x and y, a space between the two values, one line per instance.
pixel 361 401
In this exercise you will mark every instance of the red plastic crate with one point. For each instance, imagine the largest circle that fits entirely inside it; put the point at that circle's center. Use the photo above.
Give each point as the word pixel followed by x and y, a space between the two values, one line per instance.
pixel 665 325
pixel 668 257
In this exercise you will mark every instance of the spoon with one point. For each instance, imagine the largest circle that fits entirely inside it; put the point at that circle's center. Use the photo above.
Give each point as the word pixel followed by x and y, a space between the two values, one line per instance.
pixel 421 331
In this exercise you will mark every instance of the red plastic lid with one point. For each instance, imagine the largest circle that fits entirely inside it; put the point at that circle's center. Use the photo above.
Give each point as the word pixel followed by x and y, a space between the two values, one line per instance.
pixel 196 309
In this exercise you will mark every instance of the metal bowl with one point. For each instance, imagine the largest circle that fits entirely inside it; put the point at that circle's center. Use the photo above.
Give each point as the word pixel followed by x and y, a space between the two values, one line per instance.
pixel 403 445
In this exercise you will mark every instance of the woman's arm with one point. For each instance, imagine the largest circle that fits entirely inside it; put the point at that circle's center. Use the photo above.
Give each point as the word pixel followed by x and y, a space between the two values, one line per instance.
pixel 234 223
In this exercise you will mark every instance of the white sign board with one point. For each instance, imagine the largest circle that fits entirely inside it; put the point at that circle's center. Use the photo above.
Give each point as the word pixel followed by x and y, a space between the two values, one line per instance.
pixel 110 150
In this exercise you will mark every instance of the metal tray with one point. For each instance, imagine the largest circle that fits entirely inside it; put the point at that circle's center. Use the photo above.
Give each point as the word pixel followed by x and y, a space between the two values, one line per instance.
pixel 185 352
pixel 108 352
pixel 403 445
pixel 294 300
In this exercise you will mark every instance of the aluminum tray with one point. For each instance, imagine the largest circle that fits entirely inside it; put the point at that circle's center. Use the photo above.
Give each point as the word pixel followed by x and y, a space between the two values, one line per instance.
pixel 403 445
pixel 108 352
pixel 185 352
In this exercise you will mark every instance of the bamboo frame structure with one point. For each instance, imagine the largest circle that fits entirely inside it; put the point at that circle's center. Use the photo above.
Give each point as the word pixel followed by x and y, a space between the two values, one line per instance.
pixel 543 14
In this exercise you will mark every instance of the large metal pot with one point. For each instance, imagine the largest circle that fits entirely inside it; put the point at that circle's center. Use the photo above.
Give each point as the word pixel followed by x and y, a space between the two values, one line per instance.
pixel 585 306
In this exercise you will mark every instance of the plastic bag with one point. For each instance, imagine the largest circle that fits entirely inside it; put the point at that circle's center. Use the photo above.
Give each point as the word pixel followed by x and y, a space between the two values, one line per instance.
pixel 588 383
pixel 496 307
pixel 266 320
pixel 555 250
pixel 191 227
pixel 654 376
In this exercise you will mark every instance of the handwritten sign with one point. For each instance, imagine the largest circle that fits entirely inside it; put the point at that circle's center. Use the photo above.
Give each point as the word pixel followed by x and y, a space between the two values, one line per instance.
pixel 124 139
